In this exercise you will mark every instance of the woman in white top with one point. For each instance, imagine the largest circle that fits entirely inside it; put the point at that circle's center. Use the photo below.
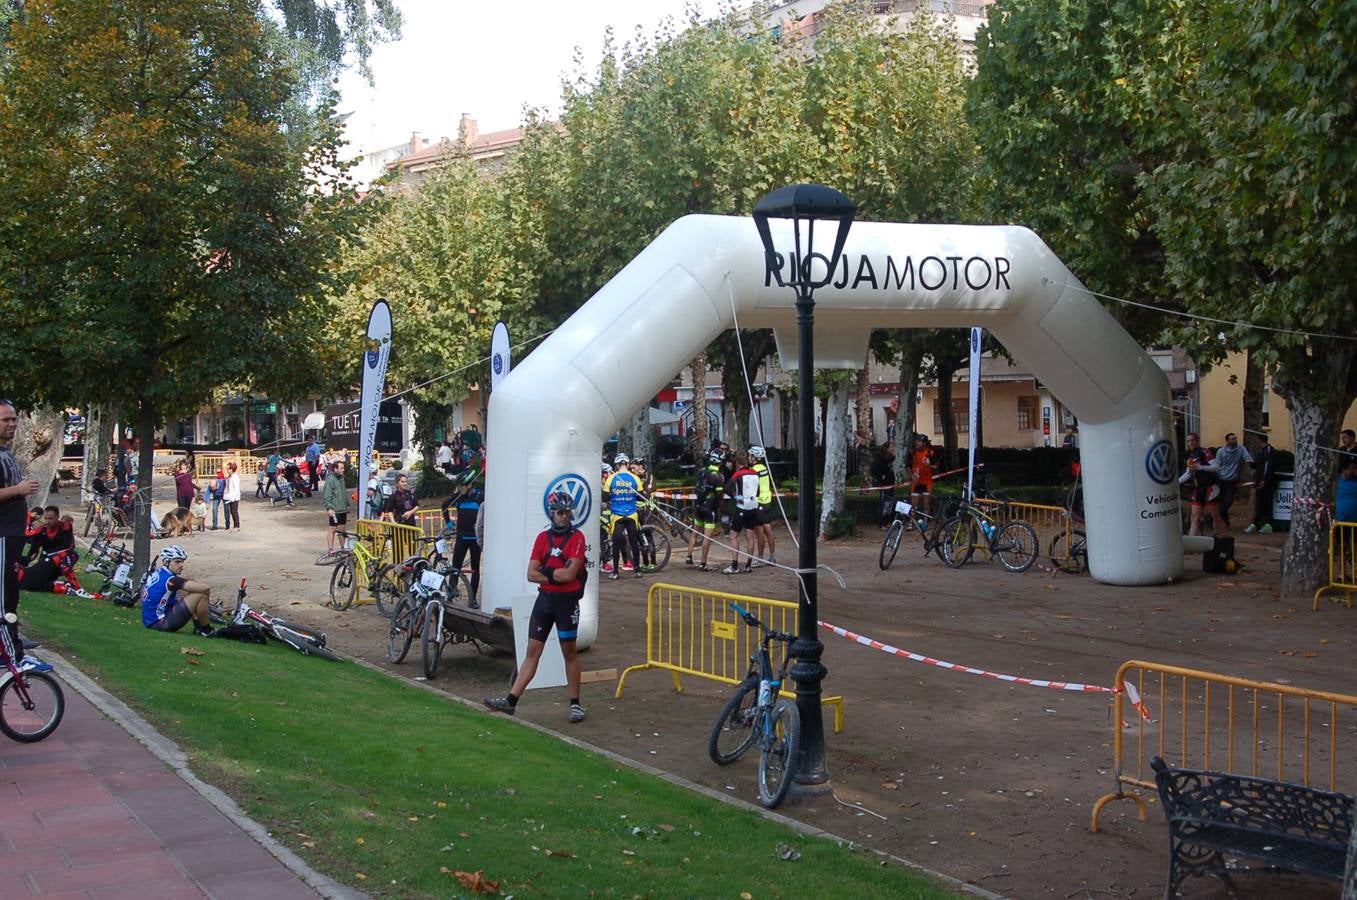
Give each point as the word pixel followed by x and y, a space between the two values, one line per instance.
pixel 231 496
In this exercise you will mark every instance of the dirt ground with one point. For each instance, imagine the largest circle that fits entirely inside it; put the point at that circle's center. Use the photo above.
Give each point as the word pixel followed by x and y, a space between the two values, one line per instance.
pixel 992 783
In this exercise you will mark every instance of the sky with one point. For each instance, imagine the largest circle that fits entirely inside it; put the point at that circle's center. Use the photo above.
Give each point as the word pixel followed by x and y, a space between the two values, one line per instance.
pixel 486 60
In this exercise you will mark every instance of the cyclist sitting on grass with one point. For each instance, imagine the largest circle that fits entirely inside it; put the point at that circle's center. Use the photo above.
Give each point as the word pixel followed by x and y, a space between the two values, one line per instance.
pixel 169 600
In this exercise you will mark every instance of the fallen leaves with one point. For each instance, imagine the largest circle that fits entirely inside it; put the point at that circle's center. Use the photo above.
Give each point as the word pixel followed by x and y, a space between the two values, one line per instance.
pixel 190 651
pixel 476 882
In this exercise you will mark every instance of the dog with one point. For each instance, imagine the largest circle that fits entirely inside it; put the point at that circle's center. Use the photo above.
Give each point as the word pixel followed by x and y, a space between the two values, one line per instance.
pixel 177 523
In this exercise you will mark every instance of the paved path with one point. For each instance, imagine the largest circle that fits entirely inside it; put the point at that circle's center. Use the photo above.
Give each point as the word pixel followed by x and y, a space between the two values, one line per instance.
pixel 92 813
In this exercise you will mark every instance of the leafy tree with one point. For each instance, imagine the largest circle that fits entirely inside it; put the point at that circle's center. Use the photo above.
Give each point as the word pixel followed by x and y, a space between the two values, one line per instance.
pixel 155 203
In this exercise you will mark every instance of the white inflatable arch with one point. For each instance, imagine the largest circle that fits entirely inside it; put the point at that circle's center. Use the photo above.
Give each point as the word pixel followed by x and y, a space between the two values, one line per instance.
pixel 550 416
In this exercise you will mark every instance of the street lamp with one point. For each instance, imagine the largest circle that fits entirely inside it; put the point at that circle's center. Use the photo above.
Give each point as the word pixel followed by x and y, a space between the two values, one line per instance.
pixel 804 205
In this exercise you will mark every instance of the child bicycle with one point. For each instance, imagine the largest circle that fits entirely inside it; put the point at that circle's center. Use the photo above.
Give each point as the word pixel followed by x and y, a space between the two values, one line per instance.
pixel 298 637
pixel 757 714
pixel 31 703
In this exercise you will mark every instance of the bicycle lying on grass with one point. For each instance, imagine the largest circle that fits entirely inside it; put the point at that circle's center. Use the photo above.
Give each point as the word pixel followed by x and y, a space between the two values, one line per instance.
pixel 298 637
pixel 756 714
pixel 31 703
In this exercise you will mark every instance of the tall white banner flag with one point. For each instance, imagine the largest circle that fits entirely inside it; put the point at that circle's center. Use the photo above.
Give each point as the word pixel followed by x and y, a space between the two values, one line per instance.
pixel 977 334
pixel 499 354
pixel 375 357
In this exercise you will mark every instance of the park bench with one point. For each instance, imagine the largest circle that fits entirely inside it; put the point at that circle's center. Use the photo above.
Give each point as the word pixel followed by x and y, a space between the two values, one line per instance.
pixel 1290 828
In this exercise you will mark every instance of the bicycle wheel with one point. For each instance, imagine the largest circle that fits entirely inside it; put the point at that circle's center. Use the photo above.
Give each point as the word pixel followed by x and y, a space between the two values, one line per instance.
pixel 404 623
pixel 655 548
pixel 458 588
pixel 956 544
pixel 1076 562
pixel 32 710
pixel 330 557
pixel 387 589
pixel 777 759
pixel 305 643
pixel 343 585
pixel 890 544
pixel 1016 546
pixel 431 641
pixel 733 733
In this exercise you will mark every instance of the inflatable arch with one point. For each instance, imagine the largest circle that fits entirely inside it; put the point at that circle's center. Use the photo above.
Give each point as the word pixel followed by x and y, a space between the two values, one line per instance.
pixel 552 413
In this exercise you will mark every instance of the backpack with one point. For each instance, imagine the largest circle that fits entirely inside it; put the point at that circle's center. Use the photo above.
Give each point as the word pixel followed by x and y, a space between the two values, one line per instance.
pixel 246 632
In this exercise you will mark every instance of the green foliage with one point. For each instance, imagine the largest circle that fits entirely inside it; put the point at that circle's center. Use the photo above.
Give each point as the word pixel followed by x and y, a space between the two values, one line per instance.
pixel 844 524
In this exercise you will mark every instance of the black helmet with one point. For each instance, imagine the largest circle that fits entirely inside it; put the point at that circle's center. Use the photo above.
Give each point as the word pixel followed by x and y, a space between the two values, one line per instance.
pixel 560 500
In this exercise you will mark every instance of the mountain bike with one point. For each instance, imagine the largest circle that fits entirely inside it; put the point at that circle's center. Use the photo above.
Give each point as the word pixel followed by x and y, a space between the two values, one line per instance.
pixel 420 614
pixel 655 546
pixel 756 714
pixel 99 515
pixel 1013 543
pixel 31 703
pixel 355 557
pixel 1076 561
pixel 909 517
pixel 298 637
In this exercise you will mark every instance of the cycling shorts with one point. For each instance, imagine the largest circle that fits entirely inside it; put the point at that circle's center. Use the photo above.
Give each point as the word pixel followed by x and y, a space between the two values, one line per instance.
pixel 745 518
pixel 558 609
pixel 1204 495
pixel 767 515
pixel 921 487
pixel 706 517
pixel 176 617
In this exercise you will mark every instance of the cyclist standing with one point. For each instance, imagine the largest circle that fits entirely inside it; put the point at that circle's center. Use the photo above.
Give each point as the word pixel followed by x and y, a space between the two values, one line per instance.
pixel 557 567
pixel 921 473
pixel 743 489
pixel 621 491
pixel 710 485
pixel 758 462
pixel 467 500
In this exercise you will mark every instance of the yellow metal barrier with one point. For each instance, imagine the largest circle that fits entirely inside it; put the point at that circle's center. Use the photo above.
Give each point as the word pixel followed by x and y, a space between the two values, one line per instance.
pixel 695 632
pixel 1051 523
pixel 430 521
pixel 1342 561
pixel 388 542
pixel 1204 720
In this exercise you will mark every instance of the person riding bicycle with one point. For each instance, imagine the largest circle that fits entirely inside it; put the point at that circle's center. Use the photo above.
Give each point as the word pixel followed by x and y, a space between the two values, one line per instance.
pixel 711 483
pixel 621 492
pixel 557 567
pixel 169 600
pixel 466 500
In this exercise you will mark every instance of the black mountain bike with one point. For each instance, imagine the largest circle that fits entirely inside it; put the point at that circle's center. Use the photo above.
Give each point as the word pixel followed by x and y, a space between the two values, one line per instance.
pixel 909 517
pixel 756 714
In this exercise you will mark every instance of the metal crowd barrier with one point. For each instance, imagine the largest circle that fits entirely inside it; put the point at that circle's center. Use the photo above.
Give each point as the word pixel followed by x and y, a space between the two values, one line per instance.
pixel 695 632
pixel 1052 524
pixel 388 541
pixel 430 521
pixel 1342 562
pixel 1204 720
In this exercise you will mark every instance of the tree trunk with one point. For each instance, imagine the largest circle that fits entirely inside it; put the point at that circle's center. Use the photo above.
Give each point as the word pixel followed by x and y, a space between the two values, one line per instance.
pixel 98 439
pixel 1318 390
pixel 1255 387
pixel 37 448
pixel 837 425
pixel 911 358
pixel 697 439
pixel 946 370
pixel 736 406
pixel 642 436
pixel 786 416
pixel 862 429
pixel 141 540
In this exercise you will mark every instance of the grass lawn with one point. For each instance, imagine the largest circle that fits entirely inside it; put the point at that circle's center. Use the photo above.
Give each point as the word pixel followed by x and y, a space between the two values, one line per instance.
pixel 396 790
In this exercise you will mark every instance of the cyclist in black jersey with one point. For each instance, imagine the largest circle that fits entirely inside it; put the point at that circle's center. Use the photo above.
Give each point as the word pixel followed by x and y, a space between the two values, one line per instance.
pixel 466 502
pixel 710 487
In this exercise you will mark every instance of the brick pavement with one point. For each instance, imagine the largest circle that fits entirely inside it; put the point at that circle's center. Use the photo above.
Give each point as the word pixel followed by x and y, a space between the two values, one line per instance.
pixel 92 813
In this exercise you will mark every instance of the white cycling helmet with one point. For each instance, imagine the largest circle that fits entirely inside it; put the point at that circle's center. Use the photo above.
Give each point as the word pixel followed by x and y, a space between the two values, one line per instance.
pixel 607 469
pixel 372 484
pixel 172 552
pixel 756 452
pixel 621 459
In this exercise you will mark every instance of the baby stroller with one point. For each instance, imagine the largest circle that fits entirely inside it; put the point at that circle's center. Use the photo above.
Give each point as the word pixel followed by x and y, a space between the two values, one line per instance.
pixel 292 476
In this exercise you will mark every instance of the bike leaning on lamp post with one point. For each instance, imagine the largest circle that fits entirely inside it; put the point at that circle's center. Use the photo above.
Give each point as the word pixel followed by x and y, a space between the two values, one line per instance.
pixel 792 249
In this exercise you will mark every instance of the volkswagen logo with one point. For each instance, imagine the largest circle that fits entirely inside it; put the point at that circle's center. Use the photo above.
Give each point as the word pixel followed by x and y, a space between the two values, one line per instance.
pixel 577 488
pixel 1159 463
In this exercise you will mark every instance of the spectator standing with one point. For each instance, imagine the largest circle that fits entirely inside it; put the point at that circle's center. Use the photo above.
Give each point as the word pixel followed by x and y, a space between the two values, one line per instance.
pixel 1071 440
pixel 271 469
pixel 443 458
pixel 1228 459
pixel 184 488
pixel 883 476
pixel 14 493
pixel 231 496
pixel 336 499
pixel 1264 484
pixel 557 567
pixel 120 470
pixel 401 507
pixel 921 473
pixel 313 452
pixel 1201 475
pixel 1345 507
pixel 1347 448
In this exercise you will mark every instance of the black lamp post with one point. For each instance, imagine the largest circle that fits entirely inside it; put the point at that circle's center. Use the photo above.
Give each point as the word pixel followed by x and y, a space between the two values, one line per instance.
pixel 801 268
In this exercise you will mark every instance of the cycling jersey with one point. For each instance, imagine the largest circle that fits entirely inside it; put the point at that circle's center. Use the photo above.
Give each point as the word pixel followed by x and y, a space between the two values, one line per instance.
pixel 555 552
pixel 50 540
pixel 159 595
pixel 622 489
pixel 921 467
pixel 710 484
pixel 765 483
pixel 744 488
pixel 468 506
